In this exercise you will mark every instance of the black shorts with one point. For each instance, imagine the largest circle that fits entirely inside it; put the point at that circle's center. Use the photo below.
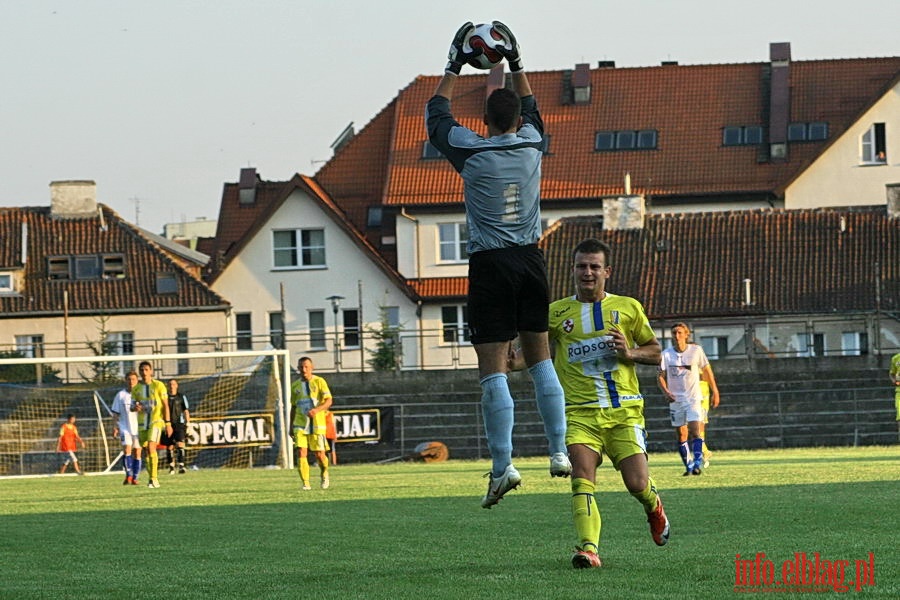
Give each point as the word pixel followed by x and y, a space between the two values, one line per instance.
pixel 508 293
pixel 179 434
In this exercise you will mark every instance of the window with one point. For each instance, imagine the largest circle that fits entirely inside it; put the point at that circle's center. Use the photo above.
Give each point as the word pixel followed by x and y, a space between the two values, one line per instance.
pixel 610 141
pixel 796 132
pixel 807 132
pixel 872 145
pixel 854 343
pixel 455 321
pixel 808 345
pixel 30 346
pixel 374 216
pixel 817 132
pixel 316 329
pixel 299 248
pixel 351 328
pixel 276 329
pixel 243 330
pixel 121 343
pixel 113 266
pixel 181 347
pixel 748 135
pixel 58 267
pixel 166 283
pixel 6 283
pixel 452 241
pixel 429 152
pixel 86 266
pixel 715 347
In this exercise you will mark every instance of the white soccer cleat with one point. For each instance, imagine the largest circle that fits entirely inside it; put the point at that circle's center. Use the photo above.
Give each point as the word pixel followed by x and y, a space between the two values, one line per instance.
pixel 326 483
pixel 510 480
pixel 560 466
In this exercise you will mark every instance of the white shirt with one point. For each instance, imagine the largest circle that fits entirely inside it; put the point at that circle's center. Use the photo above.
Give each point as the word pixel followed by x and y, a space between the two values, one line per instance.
pixel 128 418
pixel 682 371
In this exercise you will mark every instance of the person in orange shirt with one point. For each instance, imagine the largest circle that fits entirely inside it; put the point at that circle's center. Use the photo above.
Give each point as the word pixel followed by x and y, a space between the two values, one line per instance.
pixel 68 443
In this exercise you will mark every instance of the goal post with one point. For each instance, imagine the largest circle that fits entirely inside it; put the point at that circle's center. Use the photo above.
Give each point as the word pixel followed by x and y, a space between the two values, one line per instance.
pixel 239 403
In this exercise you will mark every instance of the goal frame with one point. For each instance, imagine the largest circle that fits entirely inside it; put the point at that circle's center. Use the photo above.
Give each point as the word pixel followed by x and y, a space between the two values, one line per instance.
pixel 281 370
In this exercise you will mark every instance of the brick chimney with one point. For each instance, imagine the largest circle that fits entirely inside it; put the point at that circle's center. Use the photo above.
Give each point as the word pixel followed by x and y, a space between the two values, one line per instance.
pixel 779 99
pixel 495 80
pixel 73 199
pixel 247 186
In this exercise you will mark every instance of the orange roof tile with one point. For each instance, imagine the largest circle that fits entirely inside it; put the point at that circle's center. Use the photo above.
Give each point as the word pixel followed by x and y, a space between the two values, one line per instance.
pixel 694 265
pixel 49 236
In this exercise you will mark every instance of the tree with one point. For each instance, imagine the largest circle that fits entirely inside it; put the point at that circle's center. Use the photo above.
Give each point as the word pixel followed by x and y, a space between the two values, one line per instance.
pixel 103 371
pixel 388 350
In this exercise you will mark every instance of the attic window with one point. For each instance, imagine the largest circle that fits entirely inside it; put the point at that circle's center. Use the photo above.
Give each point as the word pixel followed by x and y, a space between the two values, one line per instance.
pixel 807 132
pixel 374 216
pixel 628 139
pixel 166 283
pixel 58 267
pixel 742 135
pixel 113 266
pixel 7 283
pixel 429 152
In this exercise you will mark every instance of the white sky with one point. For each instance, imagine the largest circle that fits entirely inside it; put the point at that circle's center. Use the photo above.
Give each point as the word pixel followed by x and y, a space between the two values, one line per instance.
pixel 163 102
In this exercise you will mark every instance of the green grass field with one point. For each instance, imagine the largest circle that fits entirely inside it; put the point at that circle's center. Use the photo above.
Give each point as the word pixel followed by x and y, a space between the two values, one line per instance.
pixel 406 530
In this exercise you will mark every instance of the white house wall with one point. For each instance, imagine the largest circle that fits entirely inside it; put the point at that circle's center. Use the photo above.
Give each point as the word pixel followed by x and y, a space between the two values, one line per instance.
pixel 152 333
pixel 253 285
pixel 838 177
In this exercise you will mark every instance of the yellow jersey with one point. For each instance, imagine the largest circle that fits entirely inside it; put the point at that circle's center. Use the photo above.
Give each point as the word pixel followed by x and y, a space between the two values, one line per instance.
pixel 306 395
pixel 585 357
pixel 152 397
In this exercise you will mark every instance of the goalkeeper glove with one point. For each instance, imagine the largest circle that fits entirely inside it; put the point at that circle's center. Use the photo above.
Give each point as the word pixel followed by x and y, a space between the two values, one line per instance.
pixel 511 53
pixel 457 56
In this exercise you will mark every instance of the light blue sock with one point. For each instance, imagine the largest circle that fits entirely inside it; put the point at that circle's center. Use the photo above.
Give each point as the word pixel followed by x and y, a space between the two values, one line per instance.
pixel 683 451
pixel 551 402
pixel 128 466
pixel 497 411
pixel 698 451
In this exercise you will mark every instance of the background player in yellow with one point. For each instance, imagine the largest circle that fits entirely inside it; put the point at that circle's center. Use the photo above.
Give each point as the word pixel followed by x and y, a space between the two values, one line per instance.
pixel 152 400
pixel 310 401
pixel 597 337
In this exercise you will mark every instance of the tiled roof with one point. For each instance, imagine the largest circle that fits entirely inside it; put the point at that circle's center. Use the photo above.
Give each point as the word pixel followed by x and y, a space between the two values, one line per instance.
pixel 49 236
pixel 694 265
pixel 687 105
pixel 441 288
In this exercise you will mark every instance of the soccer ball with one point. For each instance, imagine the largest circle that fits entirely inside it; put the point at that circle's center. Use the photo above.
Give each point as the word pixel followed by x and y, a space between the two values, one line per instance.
pixel 486 37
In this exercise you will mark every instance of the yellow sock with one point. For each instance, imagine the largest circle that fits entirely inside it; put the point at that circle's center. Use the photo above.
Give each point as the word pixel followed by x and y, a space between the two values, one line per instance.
pixel 303 467
pixel 153 464
pixel 323 465
pixel 585 513
pixel 649 498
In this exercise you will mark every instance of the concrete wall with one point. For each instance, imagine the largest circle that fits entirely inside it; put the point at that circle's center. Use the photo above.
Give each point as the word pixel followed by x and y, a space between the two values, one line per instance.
pixel 784 403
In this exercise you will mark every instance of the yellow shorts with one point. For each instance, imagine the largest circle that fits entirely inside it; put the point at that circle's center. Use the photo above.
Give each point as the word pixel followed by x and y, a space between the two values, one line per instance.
pixel 617 432
pixel 312 441
pixel 154 434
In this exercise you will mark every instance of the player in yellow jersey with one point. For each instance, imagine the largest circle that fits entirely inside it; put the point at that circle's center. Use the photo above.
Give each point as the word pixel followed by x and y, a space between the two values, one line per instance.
pixel 597 338
pixel 895 379
pixel 310 401
pixel 151 398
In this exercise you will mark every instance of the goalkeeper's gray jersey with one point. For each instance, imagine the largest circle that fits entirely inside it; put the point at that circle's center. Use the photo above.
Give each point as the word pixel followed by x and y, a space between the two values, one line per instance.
pixel 501 175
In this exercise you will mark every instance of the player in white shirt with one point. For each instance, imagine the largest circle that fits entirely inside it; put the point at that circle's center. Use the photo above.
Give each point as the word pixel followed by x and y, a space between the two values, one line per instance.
pixel 126 429
pixel 680 370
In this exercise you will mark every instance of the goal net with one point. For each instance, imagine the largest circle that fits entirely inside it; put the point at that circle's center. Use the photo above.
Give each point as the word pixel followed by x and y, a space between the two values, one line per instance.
pixel 237 404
